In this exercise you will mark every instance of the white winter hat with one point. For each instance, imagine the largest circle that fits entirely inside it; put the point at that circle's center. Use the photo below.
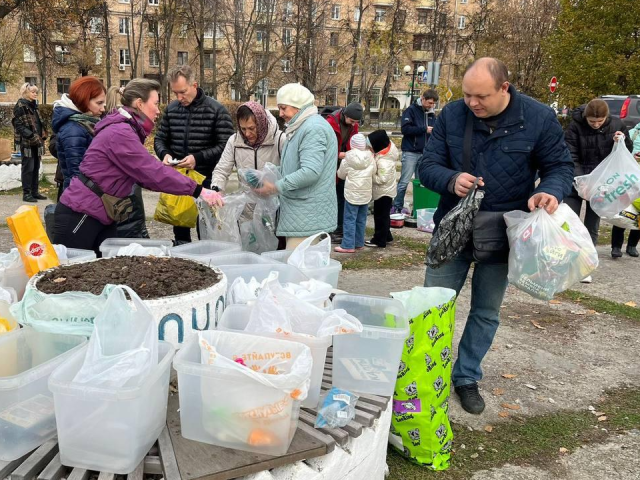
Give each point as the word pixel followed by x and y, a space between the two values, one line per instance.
pixel 358 141
pixel 295 95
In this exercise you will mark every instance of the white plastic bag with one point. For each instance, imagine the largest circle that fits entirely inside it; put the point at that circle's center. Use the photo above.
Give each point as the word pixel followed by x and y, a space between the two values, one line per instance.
pixel 425 219
pixel 10 177
pixel 612 185
pixel 629 218
pixel 222 224
pixel 123 348
pixel 308 255
pixel 548 253
pixel 259 232
pixel 244 292
pixel 137 250
pixel 279 311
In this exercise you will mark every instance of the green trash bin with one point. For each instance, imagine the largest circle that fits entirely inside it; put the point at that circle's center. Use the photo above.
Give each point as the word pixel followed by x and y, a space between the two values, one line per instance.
pixel 423 197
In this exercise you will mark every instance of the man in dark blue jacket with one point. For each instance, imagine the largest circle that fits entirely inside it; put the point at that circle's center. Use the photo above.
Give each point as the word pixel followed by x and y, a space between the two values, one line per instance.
pixel 417 122
pixel 514 138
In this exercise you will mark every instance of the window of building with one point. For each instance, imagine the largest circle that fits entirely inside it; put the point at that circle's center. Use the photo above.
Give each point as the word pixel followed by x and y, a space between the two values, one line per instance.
pixel 3 87
pixel 334 39
pixel 208 31
pixel 356 14
pixel 208 59
pixel 183 58
pixel 463 1
pixel 335 12
pixel 184 28
pixel 396 70
pixel 125 58
pixel 29 54
pixel 333 66
pixel 98 52
pixel 95 25
pixel 421 42
pixel 380 14
pixel 239 4
pixel 375 97
pixel 261 36
pixel 331 97
pixel 154 58
pixel 423 16
pixel 123 83
pixel 219 32
pixel 462 22
pixel 153 27
pixel 63 85
pixel 377 69
pixel 459 47
pixel 62 54
pixel 286 36
pixel 31 80
pixel 123 26
pixel 357 70
pixel 261 63
pixel 354 95
pixel 288 9
pixel 286 65
pixel 265 6
pixel 154 2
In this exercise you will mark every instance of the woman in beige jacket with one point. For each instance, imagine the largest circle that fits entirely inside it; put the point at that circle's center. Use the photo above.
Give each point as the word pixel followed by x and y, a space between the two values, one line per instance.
pixel 258 141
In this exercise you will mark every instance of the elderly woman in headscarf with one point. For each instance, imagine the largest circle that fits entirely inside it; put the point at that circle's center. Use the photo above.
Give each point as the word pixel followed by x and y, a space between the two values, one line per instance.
pixel 308 202
pixel 257 142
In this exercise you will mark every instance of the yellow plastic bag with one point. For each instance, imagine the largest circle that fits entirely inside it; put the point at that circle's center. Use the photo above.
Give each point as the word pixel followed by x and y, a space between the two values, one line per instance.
pixel 179 210
pixel 31 239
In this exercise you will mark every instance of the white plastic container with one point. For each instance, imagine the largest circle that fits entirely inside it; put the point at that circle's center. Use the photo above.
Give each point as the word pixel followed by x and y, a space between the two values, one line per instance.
pixel 27 358
pixel 367 362
pixel 220 406
pixel 241 258
pixel 77 255
pixel 328 274
pixel 16 278
pixel 109 429
pixel 110 247
pixel 286 273
pixel 425 219
pixel 203 250
pixel 6 314
pixel 235 319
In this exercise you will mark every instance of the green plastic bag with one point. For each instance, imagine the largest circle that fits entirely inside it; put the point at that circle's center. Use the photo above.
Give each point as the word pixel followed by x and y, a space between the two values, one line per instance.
pixel 420 427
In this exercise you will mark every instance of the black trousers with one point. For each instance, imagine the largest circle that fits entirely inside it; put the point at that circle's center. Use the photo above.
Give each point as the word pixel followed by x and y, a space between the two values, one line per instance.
pixel 340 195
pixel 183 234
pixel 382 221
pixel 591 218
pixel 617 237
pixel 77 230
pixel 30 173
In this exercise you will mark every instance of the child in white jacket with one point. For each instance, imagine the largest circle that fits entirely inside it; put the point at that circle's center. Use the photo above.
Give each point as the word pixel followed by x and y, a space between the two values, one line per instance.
pixel 384 186
pixel 357 169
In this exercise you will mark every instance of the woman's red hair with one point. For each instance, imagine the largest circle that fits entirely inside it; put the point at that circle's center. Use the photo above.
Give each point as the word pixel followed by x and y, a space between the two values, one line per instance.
pixel 83 90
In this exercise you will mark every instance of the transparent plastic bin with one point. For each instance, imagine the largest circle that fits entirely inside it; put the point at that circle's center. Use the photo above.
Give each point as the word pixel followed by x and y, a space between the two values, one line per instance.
pixel 328 274
pixel 109 429
pixel 27 358
pixel 220 406
pixel 367 362
pixel 286 273
pixel 6 314
pixel 110 246
pixel 235 319
pixel 425 219
pixel 241 258
pixel 77 255
pixel 203 250
pixel 16 278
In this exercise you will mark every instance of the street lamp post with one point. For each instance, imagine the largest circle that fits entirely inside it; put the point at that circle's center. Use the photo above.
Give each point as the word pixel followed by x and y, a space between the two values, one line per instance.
pixel 416 72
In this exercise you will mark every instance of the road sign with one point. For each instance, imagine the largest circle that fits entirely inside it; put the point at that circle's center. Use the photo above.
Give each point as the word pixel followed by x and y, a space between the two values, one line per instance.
pixel 425 76
pixel 448 95
pixel 553 84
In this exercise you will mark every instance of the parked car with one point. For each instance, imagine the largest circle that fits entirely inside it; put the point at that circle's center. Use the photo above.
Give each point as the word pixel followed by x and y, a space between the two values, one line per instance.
pixel 625 107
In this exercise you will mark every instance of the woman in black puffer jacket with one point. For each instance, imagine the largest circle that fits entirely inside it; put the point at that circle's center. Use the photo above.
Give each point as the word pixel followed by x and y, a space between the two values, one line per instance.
pixel 590 140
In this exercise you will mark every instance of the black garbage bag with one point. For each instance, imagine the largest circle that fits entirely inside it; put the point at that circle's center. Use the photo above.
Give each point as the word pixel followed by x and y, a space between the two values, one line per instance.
pixel 135 226
pixel 455 229
pixel 49 211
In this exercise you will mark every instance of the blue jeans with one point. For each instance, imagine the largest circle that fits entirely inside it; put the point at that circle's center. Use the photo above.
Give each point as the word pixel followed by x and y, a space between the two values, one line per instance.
pixel 355 221
pixel 488 285
pixel 410 162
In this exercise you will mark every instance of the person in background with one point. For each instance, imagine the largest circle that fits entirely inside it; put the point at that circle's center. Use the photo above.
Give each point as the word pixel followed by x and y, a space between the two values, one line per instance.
pixel 74 119
pixel 113 163
pixel 308 203
pixel 357 170
pixel 29 137
pixel 384 186
pixel 113 98
pixel 194 129
pixel 590 137
pixel 417 124
pixel 345 124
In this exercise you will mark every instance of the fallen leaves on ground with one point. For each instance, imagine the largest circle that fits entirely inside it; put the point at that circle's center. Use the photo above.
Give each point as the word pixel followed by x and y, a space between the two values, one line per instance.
pixel 488 429
pixel 555 302
pixel 532 387
pixel 510 406
pixel 508 375
pixel 630 304
pixel 513 316
pixel 563 451
pixel 602 418
pixel 497 391
pixel 503 414
pixel 537 325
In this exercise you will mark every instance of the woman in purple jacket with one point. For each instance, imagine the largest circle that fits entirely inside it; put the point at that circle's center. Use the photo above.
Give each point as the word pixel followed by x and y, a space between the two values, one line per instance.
pixel 115 161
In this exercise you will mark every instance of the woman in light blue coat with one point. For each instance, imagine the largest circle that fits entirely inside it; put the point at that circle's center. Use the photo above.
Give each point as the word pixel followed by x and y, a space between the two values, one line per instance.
pixel 308 202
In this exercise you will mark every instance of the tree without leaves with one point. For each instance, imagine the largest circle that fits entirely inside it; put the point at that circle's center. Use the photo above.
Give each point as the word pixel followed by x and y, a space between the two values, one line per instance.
pixel 165 17
pixel 136 18
pixel 10 50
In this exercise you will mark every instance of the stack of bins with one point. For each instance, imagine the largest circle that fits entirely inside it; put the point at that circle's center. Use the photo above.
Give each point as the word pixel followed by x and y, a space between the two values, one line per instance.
pixel 111 246
pixel 327 274
pixel 203 250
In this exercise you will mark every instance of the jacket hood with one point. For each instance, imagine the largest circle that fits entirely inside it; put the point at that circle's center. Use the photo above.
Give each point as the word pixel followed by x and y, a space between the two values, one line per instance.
pixel 359 159
pixel 578 116
pixel 62 110
pixel 120 116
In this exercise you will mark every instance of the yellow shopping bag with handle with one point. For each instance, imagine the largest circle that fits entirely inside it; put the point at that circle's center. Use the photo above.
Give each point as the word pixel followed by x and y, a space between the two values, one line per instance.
pixel 179 210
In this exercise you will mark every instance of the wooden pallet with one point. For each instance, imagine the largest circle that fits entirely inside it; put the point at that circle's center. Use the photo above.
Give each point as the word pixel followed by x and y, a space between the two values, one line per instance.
pixel 176 458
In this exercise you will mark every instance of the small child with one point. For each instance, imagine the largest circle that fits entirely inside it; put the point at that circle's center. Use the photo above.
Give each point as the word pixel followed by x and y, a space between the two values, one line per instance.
pixel 357 168
pixel 384 186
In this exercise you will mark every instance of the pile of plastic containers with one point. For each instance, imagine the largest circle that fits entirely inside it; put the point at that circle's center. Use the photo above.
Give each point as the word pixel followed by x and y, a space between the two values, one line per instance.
pixel 111 246
pixel 203 250
pixel 327 274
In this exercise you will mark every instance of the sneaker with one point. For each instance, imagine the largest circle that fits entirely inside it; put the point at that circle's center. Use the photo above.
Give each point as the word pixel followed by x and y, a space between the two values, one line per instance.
pixel 336 237
pixel 470 398
pixel 369 243
pixel 587 279
pixel 344 250
pixel 39 196
pixel 632 251
pixel 29 198
pixel 616 252
pixel 405 211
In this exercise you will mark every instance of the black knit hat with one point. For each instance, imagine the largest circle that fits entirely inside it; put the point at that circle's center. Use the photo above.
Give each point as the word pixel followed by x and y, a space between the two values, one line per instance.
pixel 379 140
pixel 353 111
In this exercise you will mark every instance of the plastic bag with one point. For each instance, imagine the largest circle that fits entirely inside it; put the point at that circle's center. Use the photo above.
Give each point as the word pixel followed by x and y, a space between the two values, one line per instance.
pixel 10 176
pixel 8 294
pixel 243 292
pixel 308 255
pixel 455 229
pixel 252 178
pixel 337 408
pixel 312 291
pixel 71 313
pixel 548 253
pixel 222 223
pixel 425 219
pixel 31 239
pixel 123 348
pixel 612 185
pixel 420 427
pixel 12 272
pixel 137 250
pixel 259 233
pixel 278 311
pixel 629 218
pixel 179 210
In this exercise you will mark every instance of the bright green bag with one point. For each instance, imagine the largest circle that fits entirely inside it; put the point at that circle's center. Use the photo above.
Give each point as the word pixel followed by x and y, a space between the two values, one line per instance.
pixel 420 426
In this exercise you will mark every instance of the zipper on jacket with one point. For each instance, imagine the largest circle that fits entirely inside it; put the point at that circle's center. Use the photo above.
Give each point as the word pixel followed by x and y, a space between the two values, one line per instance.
pixel 185 143
pixel 255 158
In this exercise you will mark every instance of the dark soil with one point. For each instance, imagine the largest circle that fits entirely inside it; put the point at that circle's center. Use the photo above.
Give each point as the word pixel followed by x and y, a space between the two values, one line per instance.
pixel 149 277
